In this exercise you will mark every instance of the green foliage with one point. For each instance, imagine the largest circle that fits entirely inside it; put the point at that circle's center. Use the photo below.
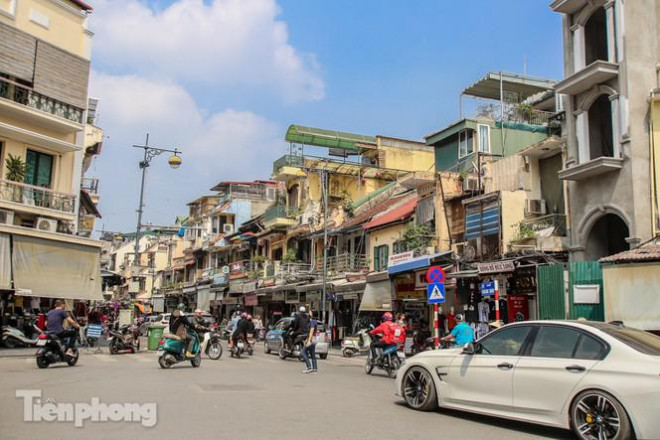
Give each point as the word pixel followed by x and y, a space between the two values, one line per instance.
pixel 289 257
pixel 347 204
pixel 417 238
pixel 525 232
pixel 258 259
pixel 15 168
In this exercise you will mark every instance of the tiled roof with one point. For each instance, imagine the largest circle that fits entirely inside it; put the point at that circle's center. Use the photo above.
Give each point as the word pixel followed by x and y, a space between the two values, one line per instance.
pixel 643 253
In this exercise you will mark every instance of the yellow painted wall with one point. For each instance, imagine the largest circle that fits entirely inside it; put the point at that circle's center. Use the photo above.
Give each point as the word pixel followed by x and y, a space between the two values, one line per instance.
pixel 381 237
pixel 451 186
pixel 67 28
pixel 408 159
pixel 513 212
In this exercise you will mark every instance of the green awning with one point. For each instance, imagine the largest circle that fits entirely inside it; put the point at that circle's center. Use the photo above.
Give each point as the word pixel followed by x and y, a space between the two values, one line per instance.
pixel 327 138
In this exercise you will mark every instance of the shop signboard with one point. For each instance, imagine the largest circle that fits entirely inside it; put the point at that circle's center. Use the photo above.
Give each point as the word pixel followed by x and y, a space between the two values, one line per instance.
pixel 313 296
pixel 488 288
pixel 249 287
pixel 399 258
pixel 230 300
pixel 251 300
pixel 517 308
pixel 292 297
pixel 496 267
pixel 220 279
pixel 238 269
pixel 278 296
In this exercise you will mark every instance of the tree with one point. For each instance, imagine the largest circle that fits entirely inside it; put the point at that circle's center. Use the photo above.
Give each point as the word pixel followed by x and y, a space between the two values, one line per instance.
pixel 417 237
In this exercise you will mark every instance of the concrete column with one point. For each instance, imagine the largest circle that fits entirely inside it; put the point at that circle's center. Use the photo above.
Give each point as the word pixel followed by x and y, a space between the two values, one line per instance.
pixel 582 134
pixel 611 32
pixel 616 124
pixel 618 30
pixel 578 48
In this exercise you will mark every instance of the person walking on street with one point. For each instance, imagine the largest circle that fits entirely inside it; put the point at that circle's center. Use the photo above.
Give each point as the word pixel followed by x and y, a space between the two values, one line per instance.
pixel 309 349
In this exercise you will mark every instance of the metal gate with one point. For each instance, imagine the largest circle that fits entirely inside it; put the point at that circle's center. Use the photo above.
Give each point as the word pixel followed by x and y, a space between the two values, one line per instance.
pixel 552 298
pixel 581 273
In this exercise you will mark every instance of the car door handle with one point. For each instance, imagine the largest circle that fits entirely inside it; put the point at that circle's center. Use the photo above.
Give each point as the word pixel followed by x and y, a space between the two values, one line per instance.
pixel 505 366
pixel 578 368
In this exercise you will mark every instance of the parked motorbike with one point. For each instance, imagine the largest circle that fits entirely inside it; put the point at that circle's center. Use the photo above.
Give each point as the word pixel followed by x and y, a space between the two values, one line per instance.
pixel 127 338
pixel 358 344
pixel 13 337
pixel 421 341
pixel 239 347
pixel 292 348
pixel 389 360
pixel 172 350
pixel 211 345
pixel 53 350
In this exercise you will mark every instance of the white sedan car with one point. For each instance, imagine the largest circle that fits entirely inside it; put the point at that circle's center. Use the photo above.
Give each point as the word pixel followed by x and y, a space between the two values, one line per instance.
pixel 600 380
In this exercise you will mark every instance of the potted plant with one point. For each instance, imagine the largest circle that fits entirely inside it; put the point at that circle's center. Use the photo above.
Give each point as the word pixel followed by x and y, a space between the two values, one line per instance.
pixel 15 173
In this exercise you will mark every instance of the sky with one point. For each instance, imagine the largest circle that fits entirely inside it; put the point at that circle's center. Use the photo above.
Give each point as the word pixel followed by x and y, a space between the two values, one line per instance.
pixel 221 80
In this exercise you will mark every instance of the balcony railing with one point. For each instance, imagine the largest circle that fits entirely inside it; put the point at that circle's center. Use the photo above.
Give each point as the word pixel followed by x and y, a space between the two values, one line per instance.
pixel 28 97
pixel 90 185
pixel 36 196
pixel 526 116
pixel 343 263
pixel 537 224
pixel 278 211
pixel 287 160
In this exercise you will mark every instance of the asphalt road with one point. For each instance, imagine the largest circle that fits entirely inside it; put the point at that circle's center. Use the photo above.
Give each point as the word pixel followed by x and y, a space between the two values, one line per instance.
pixel 261 397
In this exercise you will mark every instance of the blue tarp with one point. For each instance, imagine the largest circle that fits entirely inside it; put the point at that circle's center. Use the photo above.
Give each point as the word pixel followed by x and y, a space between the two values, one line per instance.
pixel 415 263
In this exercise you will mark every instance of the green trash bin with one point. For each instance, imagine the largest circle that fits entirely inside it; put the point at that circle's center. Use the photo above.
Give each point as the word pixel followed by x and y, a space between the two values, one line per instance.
pixel 155 335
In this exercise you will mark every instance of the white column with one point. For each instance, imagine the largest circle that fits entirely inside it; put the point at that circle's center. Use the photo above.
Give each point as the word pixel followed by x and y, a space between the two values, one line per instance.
pixel 616 124
pixel 611 32
pixel 582 134
pixel 578 48
pixel 619 30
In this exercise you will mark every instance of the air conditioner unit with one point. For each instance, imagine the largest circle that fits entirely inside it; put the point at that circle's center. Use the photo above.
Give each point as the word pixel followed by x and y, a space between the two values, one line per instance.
pixel 458 248
pixel 535 207
pixel 6 217
pixel 470 184
pixel 228 228
pixel 46 224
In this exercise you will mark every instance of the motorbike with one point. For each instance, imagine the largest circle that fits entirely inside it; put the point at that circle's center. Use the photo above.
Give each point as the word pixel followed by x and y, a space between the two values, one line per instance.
pixel 239 347
pixel 211 345
pixel 172 350
pixel 293 349
pixel 250 344
pixel 358 344
pixel 389 359
pixel 421 341
pixel 127 338
pixel 52 350
pixel 13 337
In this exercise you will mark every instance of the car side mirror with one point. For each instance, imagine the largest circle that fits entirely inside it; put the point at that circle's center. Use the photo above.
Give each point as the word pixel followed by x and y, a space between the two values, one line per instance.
pixel 469 349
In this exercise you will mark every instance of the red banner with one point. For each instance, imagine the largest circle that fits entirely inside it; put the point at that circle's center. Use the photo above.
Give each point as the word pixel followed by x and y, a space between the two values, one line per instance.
pixel 518 308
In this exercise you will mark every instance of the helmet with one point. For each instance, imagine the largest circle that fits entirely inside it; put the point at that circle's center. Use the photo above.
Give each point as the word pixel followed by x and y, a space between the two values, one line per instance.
pixel 302 309
pixel 387 316
pixel 459 318
pixel 249 317
pixel 181 306
pixel 244 315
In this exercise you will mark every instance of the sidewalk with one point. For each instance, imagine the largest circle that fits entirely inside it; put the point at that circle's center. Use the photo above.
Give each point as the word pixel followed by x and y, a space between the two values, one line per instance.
pixel 31 351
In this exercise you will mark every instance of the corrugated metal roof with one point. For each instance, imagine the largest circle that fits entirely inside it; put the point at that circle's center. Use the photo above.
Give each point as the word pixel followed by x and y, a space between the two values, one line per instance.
pixel 644 253
pixel 399 213
pixel 327 138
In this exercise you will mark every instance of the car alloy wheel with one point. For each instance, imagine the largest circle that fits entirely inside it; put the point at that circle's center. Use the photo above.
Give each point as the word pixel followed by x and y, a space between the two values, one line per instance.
pixel 597 415
pixel 418 389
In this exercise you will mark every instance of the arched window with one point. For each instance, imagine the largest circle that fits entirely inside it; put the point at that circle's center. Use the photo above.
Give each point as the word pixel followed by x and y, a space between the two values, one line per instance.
pixel 595 37
pixel 601 142
pixel 293 197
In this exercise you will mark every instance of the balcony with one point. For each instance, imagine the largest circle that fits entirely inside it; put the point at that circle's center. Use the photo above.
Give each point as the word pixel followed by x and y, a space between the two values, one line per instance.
pixel 90 185
pixel 552 224
pixel 545 233
pixel 278 216
pixel 344 263
pixel 288 166
pixel 595 73
pixel 35 199
pixel 60 115
pixel 594 167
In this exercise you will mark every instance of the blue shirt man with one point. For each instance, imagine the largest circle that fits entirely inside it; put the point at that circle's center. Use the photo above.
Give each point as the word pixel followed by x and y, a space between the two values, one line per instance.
pixel 462 333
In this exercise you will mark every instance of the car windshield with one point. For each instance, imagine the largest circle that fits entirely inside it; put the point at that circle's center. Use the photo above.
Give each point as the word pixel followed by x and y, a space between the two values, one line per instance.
pixel 641 341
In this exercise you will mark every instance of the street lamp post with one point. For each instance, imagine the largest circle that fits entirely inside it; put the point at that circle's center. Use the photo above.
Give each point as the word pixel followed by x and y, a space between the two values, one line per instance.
pixel 149 153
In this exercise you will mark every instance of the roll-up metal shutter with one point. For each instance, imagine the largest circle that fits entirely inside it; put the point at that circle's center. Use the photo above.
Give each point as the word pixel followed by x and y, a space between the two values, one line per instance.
pixel 17 52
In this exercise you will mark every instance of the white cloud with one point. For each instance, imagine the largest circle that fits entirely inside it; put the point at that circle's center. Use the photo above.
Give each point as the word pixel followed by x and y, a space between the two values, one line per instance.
pixel 227 145
pixel 220 43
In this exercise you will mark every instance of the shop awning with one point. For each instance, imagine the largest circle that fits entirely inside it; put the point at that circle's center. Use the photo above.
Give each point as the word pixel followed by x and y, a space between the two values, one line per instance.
pixel 56 269
pixel 5 262
pixel 416 263
pixel 351 286
pixel 377 297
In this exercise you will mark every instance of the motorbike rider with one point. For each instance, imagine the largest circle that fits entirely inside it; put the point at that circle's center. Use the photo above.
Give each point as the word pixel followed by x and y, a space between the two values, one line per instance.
pixel 241 329
pixel 298 326
pixel 179 326
pixel 55 324
pixel 251 326
pixel 199 324
pixel 462 333
pixel 388 330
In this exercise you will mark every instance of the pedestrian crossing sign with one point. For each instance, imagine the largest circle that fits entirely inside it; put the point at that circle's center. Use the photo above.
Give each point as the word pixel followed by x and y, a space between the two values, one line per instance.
pixel 436 293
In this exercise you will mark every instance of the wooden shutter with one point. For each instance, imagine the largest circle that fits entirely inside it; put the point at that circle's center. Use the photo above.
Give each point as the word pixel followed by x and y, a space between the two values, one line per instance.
pixel 61 75
pixel 17 52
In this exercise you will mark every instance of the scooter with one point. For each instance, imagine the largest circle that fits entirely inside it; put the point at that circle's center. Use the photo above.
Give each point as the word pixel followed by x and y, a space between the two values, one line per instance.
pixel 211 345
pixel 355 345
pixel 126 339
pixel 390 360
pixel 250 344
pixel 54 351
pixel 13 337
pixel 239 347
pixel 421 341
pixel 294 350
pixel 172 350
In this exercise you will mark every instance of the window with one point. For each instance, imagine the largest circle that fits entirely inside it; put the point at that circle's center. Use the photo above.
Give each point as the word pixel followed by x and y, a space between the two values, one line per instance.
pixel 484 138
pixel 505 342
pixel 465 143
pixel 641 341
pixel 381 256
pixel 589 348
pixel 555 342
pixel 38 169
